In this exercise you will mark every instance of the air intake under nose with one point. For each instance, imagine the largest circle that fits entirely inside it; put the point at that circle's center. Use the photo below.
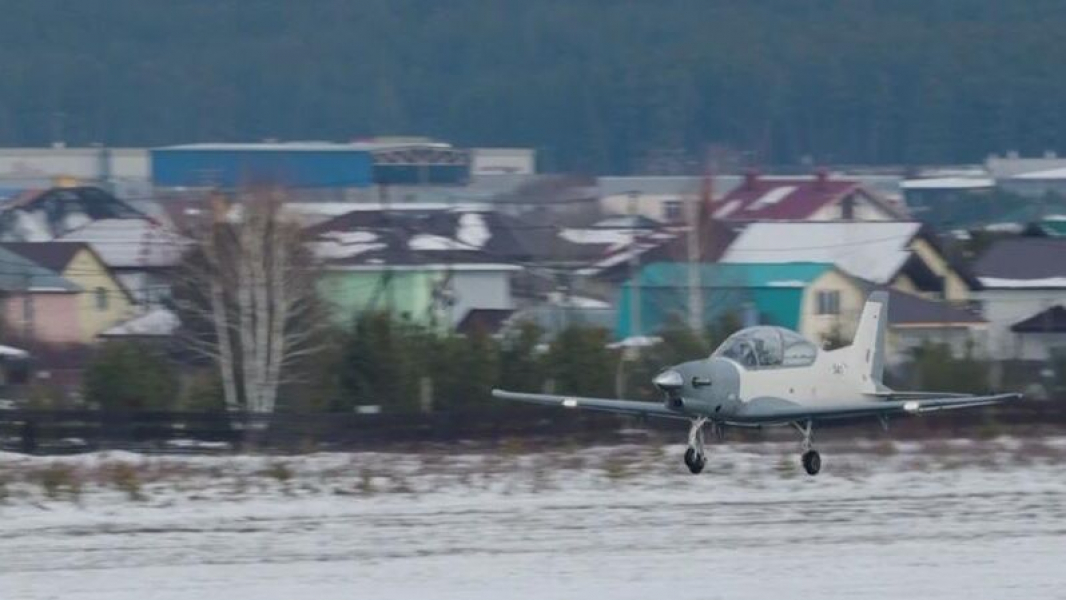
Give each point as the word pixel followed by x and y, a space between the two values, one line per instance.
pixel 669 381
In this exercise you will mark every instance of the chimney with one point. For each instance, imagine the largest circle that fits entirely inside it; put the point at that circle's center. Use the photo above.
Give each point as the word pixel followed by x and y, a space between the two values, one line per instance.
pixel 751 177
pixel 820 177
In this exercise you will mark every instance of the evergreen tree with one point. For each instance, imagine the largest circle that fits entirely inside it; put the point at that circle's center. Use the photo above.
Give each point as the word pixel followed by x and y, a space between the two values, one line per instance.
pixel 594 86
pixel 130 376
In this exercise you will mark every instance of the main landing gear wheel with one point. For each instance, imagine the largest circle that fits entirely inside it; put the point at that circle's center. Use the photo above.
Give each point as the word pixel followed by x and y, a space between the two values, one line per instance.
pixel 812 462
pixel 695 461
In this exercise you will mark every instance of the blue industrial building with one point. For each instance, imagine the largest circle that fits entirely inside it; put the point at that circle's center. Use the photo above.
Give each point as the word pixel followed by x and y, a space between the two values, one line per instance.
pixel 309 165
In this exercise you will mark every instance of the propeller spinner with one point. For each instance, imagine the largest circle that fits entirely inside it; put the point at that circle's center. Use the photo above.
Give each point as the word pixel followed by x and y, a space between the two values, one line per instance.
pixel 669 381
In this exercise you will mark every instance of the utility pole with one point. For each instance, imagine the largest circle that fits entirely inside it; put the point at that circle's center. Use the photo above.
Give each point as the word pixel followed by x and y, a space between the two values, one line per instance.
pixel 634 269
pixel 390 234
pixel 697 208
pixel 28 310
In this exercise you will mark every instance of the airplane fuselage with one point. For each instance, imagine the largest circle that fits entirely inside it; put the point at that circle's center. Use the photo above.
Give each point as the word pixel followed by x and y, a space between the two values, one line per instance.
pixel 719 388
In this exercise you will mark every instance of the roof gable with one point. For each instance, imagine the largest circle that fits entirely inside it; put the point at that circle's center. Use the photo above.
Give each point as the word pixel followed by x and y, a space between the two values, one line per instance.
pixel 51 255
pixel 40 215
pixel 872 250
pixel 778 198
pixel 1052 320
pixel 21 274
pixel 130 243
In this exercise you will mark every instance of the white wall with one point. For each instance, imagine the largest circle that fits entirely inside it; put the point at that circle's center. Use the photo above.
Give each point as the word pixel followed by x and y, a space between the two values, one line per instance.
pixel 491 161
pixel 1003 308
pixel 652 206
pixel 480 289
pixel 903 340
pixel 1039 346
pixel 90 164
pixel 149 288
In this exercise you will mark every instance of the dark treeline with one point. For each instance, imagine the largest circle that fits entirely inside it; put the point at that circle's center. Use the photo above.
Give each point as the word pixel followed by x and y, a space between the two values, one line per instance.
pixel 404 368
pixel 595 85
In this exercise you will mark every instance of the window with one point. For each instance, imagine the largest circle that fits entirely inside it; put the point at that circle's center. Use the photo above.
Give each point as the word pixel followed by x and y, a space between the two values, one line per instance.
pixel 101 298
pixel 828 302
pixel 672 211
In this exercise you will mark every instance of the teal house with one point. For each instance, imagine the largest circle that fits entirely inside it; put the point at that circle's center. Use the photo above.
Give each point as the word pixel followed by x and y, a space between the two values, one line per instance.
pixel 814 299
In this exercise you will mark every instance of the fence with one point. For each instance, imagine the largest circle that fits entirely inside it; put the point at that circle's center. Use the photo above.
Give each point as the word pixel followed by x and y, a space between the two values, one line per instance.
pixel 55 432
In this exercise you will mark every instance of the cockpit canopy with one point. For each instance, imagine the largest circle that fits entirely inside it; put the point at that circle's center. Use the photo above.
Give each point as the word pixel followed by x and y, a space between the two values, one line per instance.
pixel 768 347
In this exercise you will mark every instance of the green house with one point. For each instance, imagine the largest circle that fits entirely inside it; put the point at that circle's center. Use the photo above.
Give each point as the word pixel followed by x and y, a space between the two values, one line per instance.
pixel 811 298
pixel 432 295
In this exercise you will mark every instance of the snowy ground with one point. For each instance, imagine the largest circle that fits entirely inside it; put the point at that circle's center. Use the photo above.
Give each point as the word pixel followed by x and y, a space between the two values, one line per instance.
pixel 934 520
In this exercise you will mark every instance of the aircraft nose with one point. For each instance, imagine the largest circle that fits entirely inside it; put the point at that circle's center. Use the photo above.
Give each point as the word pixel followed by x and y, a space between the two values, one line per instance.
pixel 668 381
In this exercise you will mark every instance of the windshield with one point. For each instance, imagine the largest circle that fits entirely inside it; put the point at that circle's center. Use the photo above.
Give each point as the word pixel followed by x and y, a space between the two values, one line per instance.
pixel 767 347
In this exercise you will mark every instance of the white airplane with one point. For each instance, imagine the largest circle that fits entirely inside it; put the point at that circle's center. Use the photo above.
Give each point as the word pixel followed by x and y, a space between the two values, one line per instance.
pixel 773 376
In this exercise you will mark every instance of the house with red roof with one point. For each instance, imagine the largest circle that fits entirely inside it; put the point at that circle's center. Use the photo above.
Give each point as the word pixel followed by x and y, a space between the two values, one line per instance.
pixel 811 198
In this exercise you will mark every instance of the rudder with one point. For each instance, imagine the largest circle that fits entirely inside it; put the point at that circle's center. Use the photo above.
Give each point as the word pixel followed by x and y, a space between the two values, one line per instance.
pixel 868 347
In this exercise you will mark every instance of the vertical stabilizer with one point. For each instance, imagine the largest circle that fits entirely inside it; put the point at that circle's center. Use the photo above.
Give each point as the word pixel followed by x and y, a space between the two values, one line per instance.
pixel 868 348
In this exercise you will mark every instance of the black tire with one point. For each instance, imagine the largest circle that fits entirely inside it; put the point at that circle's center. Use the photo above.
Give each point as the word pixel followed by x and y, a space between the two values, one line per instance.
pixel 812 462
pixel 694 462
pixel 696 467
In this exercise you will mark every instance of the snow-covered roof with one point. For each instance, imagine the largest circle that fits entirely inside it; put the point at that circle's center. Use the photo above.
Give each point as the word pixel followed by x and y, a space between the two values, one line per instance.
pixel 12 352
pixel 1049 174
pixel 636 341
pixel 422 238
pixel 159 322
pixel 1042 283
pixel 872 250
pixel 764 198
pixel 130 243
pixel 559 299
pixel 333 209
pixel 615 238
pixel 949 183
pixel 345 244
pixel 618 246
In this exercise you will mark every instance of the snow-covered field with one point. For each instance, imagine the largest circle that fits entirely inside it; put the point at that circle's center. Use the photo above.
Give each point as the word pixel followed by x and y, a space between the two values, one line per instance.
pixel 917 520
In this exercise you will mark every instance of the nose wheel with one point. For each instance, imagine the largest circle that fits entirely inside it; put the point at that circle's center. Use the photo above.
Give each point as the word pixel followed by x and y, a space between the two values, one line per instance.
pixel 695 457
pixel 812 461
pixel 695 461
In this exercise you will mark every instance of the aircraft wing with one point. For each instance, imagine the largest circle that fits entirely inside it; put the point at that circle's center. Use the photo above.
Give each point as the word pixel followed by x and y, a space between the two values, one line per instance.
pixel 776 410
pixel 627 407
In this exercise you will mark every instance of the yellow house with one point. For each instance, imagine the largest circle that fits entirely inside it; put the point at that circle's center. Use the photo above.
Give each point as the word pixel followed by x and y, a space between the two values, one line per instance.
pixel 818 300
pixel 899 255
pixel 103 301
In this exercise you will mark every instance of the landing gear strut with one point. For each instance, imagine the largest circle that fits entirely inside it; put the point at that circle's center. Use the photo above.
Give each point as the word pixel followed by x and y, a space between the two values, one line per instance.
pixel 812 461
pixel 695 457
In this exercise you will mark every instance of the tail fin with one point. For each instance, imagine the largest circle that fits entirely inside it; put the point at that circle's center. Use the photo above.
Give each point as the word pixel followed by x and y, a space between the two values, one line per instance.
pixel 867 351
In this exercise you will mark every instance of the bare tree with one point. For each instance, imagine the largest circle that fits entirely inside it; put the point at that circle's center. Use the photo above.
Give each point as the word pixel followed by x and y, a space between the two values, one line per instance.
pixel 246 290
